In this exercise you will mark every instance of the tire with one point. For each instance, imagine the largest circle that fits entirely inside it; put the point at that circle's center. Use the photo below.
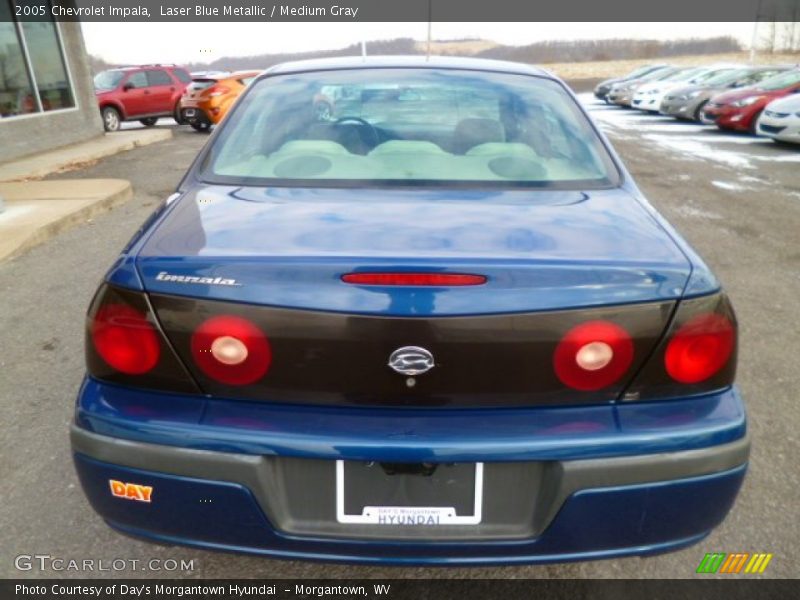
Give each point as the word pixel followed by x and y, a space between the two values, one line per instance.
pixel 176 114
pixel 201 126
pixel 111 118
pixel 149 121
pixel 698 111
pixel 752 129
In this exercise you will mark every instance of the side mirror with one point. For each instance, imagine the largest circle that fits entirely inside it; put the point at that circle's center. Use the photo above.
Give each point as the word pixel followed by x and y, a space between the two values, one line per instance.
pixel 128 86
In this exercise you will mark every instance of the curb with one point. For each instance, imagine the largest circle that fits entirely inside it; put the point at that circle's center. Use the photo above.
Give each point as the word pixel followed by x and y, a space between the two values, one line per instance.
pixel 76 156
pixel 122 194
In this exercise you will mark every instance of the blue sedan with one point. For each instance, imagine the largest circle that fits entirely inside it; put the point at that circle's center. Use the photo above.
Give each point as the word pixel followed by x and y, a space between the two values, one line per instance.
pixel 410 311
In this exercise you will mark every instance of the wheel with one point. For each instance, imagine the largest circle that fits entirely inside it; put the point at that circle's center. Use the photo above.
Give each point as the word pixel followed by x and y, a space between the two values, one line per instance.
pixel 753 127
pixel 201 126
pixel 149 121
pixel 176 114
pixel 699 110
pixel 111 118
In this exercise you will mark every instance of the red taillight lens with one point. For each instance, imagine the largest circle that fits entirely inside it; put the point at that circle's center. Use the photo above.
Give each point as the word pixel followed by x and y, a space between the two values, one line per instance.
pixel 231 350
pixel 125 339
pixel 700 348
pixel 414 279
pixel 217 90
pixel 593 355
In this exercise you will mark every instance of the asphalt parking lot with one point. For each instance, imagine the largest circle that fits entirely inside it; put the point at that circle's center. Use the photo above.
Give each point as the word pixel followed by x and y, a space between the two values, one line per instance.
pixel 734 197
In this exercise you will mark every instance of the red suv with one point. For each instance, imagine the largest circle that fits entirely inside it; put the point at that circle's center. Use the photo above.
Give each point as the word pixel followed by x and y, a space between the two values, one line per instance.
pixel 142 94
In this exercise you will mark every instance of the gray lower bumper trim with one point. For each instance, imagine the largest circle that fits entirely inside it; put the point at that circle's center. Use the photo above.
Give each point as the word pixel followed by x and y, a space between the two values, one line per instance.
pixel 274 481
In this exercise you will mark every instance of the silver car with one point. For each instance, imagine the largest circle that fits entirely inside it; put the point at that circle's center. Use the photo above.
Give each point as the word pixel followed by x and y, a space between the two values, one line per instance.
pixel 688 102
pixel 622 93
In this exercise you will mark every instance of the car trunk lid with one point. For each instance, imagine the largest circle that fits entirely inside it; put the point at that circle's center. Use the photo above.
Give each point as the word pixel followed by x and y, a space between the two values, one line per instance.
pixel 289 247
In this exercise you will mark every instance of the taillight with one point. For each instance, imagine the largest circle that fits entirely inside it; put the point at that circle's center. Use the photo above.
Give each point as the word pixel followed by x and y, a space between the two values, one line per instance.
pixel 125 339
pixel 414 279
pixel 124 344
pixel 593 355
pixel 231 350
pixel 217 90
pixel 697 355
pixel 700 348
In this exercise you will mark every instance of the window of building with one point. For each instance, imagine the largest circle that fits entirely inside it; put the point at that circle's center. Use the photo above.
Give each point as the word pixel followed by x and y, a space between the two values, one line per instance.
pixel 16 91
pixel 33 72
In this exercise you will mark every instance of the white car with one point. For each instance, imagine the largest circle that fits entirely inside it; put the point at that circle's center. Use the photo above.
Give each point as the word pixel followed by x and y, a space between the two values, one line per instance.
pixel 649 96
pixel 781 119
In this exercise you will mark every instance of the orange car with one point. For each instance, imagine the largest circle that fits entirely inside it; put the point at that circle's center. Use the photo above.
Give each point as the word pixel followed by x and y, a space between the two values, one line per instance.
pixel 207 99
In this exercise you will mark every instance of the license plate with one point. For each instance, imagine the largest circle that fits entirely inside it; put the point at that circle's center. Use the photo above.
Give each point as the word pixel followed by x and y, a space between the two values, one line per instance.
pixel 451 495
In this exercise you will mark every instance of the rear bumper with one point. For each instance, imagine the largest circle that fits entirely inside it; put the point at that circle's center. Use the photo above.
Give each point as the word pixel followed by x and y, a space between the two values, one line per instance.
pixel 194 114
pixel 578 499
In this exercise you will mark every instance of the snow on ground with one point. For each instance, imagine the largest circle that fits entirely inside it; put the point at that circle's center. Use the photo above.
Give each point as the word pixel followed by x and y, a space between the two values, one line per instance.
pixel 727 185
pixel 692 148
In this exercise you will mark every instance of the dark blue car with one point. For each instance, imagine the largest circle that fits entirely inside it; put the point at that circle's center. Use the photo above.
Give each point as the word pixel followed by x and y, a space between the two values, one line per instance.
pixel 411 311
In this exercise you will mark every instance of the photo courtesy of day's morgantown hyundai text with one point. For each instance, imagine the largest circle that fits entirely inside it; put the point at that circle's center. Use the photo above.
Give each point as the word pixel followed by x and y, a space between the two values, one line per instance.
pixel 408 310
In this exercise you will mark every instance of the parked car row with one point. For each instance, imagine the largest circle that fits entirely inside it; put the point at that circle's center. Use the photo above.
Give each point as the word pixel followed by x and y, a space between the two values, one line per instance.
pixel 146 93
pixel 760 99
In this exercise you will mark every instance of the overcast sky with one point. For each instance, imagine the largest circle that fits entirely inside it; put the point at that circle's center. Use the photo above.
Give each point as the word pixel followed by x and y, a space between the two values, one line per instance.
pixel 201 42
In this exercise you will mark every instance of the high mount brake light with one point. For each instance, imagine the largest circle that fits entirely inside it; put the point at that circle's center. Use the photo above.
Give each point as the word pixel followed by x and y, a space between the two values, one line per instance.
pixel 700 348
pixel 231 350
pixel 593 355
pixel 414 279
pixel 125 339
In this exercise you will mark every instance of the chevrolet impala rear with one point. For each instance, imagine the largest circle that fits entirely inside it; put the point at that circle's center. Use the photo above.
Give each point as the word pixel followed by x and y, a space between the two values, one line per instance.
pixel 437 323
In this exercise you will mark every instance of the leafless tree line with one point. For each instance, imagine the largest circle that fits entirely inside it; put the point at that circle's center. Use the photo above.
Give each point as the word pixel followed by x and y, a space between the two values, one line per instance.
pixel 619 49
pixel 539 52
pixel 780 36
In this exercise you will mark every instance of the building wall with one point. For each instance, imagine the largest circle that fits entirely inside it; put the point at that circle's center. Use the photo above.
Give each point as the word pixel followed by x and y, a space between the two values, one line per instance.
pixel 29 134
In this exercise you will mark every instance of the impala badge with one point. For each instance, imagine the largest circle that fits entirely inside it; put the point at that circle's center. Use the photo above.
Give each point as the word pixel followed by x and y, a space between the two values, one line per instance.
pixel 411 360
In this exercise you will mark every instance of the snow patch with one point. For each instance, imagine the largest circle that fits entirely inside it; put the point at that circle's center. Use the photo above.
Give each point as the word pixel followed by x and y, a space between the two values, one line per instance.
pixel 727 185
pixel 697 213
pixel 692 148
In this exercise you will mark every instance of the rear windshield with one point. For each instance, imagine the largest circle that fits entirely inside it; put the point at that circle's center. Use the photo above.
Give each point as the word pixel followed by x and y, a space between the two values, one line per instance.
pixel 408 127
pixel 201 83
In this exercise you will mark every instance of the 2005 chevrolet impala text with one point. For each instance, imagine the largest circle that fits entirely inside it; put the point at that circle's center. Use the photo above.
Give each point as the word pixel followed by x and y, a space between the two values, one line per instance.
pixel 436 322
